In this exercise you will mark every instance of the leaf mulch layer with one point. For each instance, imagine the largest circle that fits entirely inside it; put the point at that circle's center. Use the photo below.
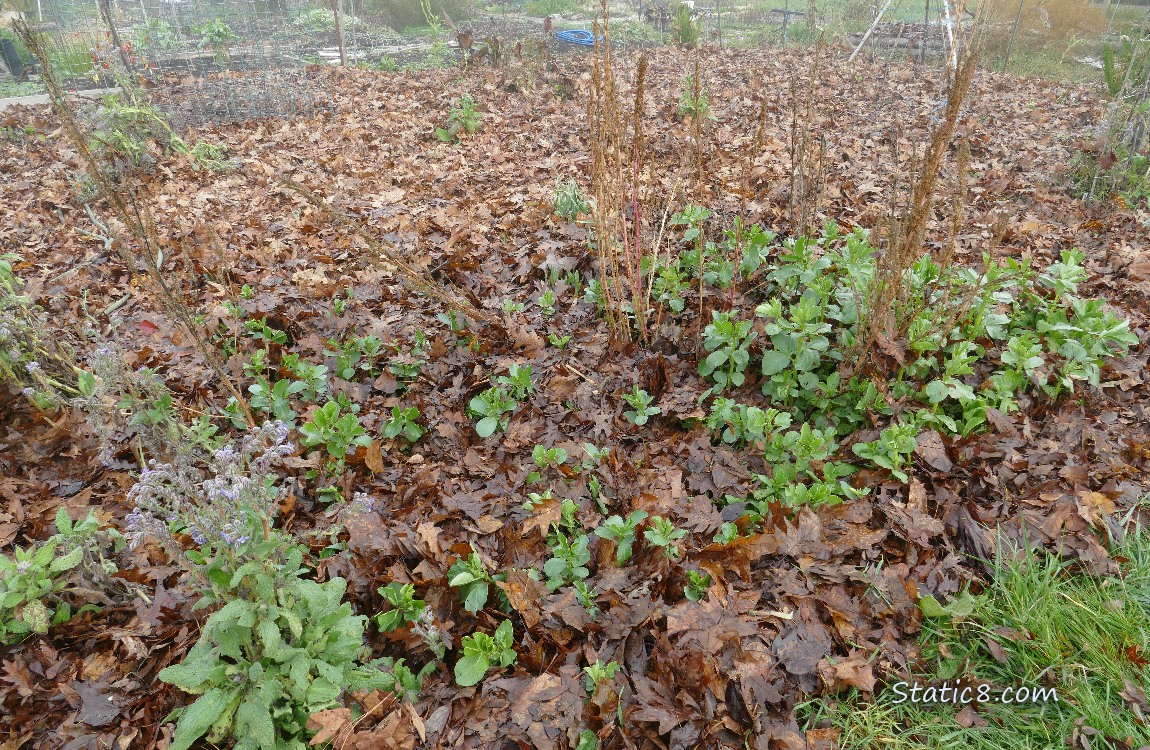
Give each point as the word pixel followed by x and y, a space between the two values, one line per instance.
pixel 818 602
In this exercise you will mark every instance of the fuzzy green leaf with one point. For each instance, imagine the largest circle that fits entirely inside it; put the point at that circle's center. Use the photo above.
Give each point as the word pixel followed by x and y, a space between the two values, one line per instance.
pixel 63 520
pixel 68 561
pixel 200 716
pixel 253 720
pixel 35 616
pixel 86 383
pixel 470 669
pixel 190 674
pixel 44 555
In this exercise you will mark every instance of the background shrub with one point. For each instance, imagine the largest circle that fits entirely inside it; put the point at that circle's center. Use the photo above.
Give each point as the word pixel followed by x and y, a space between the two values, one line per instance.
pixel 400 14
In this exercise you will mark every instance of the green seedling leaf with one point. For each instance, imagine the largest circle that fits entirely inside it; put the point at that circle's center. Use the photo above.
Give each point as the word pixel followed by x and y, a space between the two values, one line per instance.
pixel 470 669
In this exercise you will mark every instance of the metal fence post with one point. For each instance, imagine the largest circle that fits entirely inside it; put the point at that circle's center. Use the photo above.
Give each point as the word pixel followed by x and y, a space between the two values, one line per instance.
pixel 1013 33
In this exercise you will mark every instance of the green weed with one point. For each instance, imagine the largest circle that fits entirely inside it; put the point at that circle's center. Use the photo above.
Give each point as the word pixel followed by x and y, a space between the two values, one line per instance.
pixel 641 410
pixel 464 119
pixel 693 100
pixel 262 667
pixel 405 607
pixel 340 434
pixel 34 582
pixel 470 576
pixel 482 651
pixel 403 423
pixel 663 534
pixel 569 201
pixel 622 532
pixel 492 407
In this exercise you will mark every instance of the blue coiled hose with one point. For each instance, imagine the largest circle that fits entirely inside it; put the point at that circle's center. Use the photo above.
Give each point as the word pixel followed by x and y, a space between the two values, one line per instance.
pixel 584 38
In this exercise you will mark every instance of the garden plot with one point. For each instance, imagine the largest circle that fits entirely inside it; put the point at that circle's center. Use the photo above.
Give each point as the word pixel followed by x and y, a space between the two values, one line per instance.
pixel 405 465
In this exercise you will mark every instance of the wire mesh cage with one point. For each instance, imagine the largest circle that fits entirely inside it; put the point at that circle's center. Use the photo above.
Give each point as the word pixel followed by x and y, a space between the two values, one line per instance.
pixel 201 60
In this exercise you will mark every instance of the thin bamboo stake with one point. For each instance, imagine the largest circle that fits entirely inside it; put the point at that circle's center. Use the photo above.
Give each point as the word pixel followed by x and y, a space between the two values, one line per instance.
pixel 873 26
pixel 950 36
pixel 1013 34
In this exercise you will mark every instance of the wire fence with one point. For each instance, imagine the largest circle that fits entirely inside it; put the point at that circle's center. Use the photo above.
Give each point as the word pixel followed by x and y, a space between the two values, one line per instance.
pixel 204 61
pixel 1026 36
pixel 221 60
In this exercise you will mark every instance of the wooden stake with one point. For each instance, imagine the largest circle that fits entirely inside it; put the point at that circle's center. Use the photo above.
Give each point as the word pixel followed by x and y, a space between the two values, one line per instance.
pixel 339 34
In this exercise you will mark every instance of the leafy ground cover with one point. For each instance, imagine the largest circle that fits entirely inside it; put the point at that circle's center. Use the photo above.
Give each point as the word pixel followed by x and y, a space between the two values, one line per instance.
pixel 537 536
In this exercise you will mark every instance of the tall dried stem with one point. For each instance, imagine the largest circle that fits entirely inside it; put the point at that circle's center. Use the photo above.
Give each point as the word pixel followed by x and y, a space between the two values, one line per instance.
pixel 616 139
pixel 808 157
pixel 632 235
pixel 888 310
pixel 606 130
pixel 133 214
pixel 697 125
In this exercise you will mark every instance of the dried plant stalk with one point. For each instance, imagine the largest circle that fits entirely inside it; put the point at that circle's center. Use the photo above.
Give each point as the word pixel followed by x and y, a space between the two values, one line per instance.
pixel 808 157
pixel 887 310
pixel 922 194
pixel 958 202
pixel 389 258
pixel 697 125
pixel 632 236
pixel 957 311
pixel 135 217
pixel 607 127
pixel 749 158
pixel 617 146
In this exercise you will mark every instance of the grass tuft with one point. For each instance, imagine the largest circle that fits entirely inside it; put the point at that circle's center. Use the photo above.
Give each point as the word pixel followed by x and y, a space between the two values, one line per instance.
pixel 1040 624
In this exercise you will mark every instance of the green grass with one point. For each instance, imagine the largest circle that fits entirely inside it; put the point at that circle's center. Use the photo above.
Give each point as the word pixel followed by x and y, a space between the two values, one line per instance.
pixel 1056 61
pixel 426 31
pixel 552 7
pixel 12 88
pixel 1083 636
pixel 637 33
pixel 1129 19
